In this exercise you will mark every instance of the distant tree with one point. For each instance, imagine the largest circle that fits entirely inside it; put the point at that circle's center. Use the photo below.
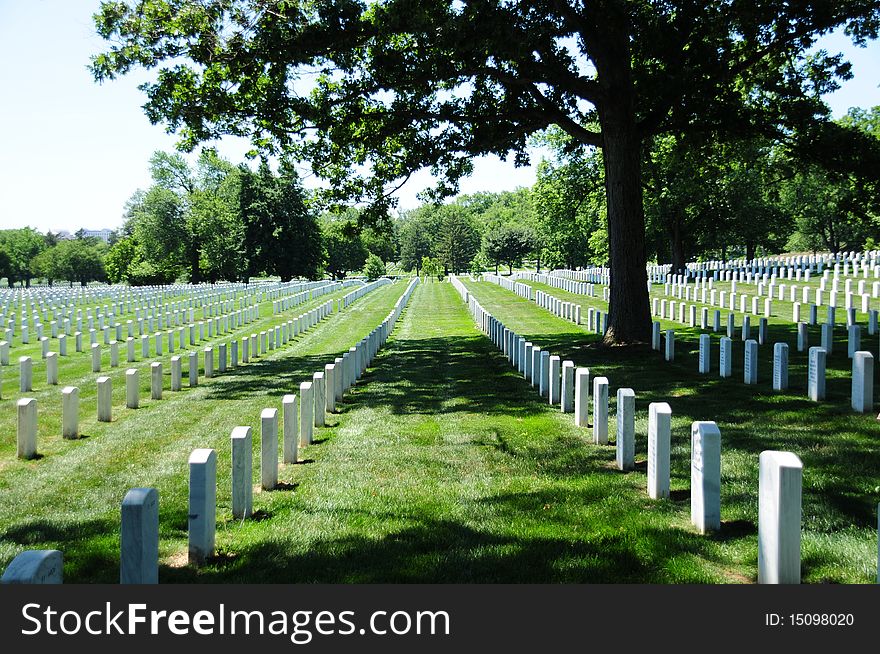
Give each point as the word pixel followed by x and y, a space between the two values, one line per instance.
pixel 381 239
pixel 416 241
pixel 508 245
pixel 123 257
pixel 569 201
pixel 83 260
pixel 827 211
pixel 21 246
pixel 49 265
pixel 161 232
pixel 374 268
pixel 282 235
pixel 74 260
pixel 5 265
pixel 431 267
pixel 457 239
pixel 479 263
pixel 343 249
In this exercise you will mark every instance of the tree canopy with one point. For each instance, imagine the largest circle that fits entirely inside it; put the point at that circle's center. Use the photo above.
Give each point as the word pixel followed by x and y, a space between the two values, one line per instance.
pixel 370 92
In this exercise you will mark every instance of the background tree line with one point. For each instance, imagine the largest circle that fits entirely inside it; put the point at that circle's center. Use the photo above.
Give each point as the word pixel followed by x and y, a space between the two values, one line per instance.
pixel 704 199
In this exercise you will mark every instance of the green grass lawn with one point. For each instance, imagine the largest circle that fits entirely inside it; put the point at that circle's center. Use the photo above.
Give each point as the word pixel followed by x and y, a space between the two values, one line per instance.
pixel 443 465
pixel 840 450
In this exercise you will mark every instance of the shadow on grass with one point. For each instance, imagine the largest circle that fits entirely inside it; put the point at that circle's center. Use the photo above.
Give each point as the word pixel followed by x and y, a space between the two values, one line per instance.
pixel 445 551
pixel 837 447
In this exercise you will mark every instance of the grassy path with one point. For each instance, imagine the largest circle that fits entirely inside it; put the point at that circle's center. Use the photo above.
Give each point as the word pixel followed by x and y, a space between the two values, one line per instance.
pixel 445 466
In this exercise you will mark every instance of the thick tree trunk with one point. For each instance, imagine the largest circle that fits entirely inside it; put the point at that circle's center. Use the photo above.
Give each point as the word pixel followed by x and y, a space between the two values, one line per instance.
pixel 629 316
pixel 750 251
pixel 629 319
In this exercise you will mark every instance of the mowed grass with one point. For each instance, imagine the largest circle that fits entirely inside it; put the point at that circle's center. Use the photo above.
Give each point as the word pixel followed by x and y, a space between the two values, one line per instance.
pixel 443 465
pixel 840 450
pixel 69 498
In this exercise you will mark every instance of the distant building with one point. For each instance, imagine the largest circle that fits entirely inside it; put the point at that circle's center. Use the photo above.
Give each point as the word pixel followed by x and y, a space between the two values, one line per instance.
pixel 103 234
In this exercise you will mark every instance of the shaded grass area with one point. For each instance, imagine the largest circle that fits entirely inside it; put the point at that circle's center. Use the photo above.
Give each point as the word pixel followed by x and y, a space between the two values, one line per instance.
pixel 840 450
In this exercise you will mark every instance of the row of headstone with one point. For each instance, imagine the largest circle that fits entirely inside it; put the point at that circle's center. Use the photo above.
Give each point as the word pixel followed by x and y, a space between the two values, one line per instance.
pixel 212 304
pixel 27 407
pixel 560 308
pixel 280 335
pixel 139 554
pixel 349 298
pixel 125 299
pixel 218 318
pixel 559 281
pixel 510 283
pixel 295 299
pixel 780 472
pixel 862 391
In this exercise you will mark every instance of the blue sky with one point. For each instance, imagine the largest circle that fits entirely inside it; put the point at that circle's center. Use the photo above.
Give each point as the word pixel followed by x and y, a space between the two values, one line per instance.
pixel 72 152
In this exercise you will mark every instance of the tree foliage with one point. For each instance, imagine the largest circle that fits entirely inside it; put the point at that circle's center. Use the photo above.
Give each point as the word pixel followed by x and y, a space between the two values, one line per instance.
pixel 374 268
pixel 403 85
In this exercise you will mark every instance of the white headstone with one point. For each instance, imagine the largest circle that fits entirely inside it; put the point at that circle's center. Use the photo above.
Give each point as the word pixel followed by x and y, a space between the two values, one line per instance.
pixel 705 353
pixel 544 374
pixel 750 369
pixel 193 369
pixel 290 446
pixel 780 366
pixel 132 388
pixel 659 443
pixel 779 518
pixel 96 357
pixel 70 412
pixel 35 567
pixel 626 428
pixel 803 341
pixel 567 390
pixel 816 374
pixel 705 476
pixel 862 400
pixel 582 397
pixel 105 399
pixel 156 379
pixel 269 448
pixel 306 413
pixel 52 368
pixel 27 428
pixel 725 359
pixel 242 473
pixel 139 542
pixel 555 380
pixel 202 505
pixel 600 410
pixel 854 340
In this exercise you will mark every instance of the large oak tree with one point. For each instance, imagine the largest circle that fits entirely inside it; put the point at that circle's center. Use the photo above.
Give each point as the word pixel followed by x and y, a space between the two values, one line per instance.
pixel 371 91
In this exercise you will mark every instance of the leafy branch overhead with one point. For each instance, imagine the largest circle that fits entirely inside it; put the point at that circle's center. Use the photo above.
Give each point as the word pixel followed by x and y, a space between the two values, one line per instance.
pixel 370 92
pixel 396 86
